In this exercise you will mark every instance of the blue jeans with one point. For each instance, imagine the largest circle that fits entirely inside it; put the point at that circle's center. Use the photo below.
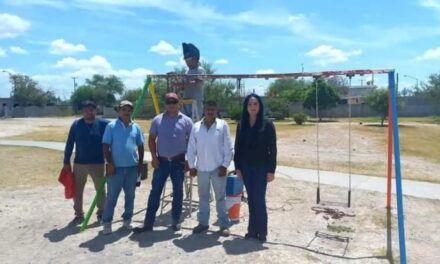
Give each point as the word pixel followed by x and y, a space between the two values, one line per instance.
pixel 124 178
pixel 255 181
pixel 204 180
pixel 175 169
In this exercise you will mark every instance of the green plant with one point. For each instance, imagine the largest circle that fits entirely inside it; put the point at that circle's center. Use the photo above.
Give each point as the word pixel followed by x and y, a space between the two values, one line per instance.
pixel 235 112
pixel 300 118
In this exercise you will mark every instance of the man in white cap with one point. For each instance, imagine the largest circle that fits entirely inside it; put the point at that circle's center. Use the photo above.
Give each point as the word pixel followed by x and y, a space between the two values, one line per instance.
pixel 123 145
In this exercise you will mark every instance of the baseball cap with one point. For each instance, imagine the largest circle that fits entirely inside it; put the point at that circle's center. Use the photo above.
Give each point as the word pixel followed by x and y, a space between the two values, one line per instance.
pixel 171 97
pixel 88 103
pixel 124 103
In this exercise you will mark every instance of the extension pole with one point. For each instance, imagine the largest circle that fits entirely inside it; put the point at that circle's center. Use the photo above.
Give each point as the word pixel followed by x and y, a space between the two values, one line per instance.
pixel 400 214
pixel 390 152
pixel 318 192
pixel 349 144
pixel 102 184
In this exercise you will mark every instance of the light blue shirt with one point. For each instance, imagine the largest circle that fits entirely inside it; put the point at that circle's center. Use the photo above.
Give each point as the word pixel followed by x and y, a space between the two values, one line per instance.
pixel 172 134
pixel 124 142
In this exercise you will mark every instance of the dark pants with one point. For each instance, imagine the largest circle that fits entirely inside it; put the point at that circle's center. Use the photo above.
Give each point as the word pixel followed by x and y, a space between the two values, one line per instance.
pixel 255 181
pixel 175 170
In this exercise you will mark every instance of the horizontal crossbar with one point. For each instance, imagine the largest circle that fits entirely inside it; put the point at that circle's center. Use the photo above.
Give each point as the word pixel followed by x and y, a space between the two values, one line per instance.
pixel 349 73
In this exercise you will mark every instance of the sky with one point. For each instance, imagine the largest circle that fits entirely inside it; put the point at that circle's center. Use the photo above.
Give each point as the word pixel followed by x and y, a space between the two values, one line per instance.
pixel 53 41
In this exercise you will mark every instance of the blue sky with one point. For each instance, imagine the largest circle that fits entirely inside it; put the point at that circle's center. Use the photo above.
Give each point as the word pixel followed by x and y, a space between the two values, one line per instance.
pixel 52 41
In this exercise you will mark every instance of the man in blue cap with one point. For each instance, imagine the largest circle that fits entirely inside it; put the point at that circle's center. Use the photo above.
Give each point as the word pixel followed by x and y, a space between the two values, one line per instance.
pixel 193 84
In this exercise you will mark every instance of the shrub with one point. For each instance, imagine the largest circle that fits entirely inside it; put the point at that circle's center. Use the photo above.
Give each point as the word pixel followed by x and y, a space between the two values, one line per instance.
pixel 235 112
pixel 300 118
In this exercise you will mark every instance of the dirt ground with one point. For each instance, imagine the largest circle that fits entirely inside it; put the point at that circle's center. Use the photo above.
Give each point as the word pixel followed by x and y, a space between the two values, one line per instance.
pixel 34 225
pixel 34 216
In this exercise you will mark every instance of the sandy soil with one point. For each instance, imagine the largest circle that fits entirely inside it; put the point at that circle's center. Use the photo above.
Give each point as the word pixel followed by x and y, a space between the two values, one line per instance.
pixel 34 226
pixel 17 126
pixel 34 222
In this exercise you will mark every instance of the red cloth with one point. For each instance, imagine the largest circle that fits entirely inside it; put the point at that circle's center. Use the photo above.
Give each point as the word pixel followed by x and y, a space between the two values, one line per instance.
pixel 67 179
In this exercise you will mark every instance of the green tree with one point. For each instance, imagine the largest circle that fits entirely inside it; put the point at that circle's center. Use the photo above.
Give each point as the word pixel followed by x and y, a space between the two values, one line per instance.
pixel 81 94
pixel 105 88
pixel 432 90
pixel 27 91
pixel 132 95
pixel 288 88
pixel 277 107
pixel 327 96
pixel 378 102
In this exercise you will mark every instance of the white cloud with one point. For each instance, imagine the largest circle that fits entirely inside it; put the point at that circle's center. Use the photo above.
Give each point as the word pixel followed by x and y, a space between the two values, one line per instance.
pixel 2 52
pixel 434 4
pixel 12 26
pixel 94 63
pixel 85 68
pixel 221 61
pixel 164 48
pixel 61 47
pixel 49 3
pixel 265 71
pixel 430 54
pixel 18 50
pixel 171 63
pixel 326 54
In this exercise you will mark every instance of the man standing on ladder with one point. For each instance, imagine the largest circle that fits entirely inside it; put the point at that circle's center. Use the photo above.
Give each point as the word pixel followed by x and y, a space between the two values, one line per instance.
pixel 168 140
pixel 192 85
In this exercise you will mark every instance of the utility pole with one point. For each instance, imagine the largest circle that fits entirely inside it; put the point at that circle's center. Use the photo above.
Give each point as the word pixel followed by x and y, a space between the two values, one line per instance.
pixel 74 83
pixel 302 75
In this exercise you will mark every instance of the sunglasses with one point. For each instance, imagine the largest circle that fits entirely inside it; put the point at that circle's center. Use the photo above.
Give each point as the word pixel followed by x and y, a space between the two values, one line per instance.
pixel 171 102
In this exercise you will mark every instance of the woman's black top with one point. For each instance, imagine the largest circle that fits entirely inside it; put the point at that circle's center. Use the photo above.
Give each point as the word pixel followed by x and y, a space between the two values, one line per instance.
pixel 256 146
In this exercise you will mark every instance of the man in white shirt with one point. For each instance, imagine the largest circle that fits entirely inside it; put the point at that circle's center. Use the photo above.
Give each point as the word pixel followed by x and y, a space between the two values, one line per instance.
pixel 210 151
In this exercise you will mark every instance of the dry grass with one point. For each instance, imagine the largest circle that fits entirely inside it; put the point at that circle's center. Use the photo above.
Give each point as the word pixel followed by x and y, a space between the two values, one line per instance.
pixel 419 142
pixel 60 133
pixel 25 166
pixel 51 133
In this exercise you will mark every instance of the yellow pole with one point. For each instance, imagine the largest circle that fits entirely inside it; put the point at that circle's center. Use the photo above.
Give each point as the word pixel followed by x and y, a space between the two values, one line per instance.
pixel 152 90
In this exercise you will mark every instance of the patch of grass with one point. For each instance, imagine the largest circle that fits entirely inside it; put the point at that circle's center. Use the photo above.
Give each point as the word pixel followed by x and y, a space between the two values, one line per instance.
pixel 59 133
pixel 379 218
pixel 340 229
pixel 54 133
pixel 381 252
pixel 26 166
pixel 421 141
pixel 312 258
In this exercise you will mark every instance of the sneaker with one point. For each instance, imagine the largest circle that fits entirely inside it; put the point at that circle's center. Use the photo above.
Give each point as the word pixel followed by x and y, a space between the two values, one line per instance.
pixel 250 236
pixel 262 239
pixel 78 220
pixel 127 224
pixel 224 231
pixel 200 228
pixel 138 230
pixel 176 226
pixel 107 228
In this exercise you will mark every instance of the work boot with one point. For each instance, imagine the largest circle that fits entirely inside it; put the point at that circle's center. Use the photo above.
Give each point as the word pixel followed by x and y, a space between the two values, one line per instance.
pixel 200 228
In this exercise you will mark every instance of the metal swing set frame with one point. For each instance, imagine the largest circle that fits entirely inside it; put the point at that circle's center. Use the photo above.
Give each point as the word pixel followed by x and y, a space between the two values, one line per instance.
pixel 393 129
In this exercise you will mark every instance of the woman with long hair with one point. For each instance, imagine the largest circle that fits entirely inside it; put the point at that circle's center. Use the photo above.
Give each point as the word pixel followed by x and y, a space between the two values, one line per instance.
pixel 255 162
